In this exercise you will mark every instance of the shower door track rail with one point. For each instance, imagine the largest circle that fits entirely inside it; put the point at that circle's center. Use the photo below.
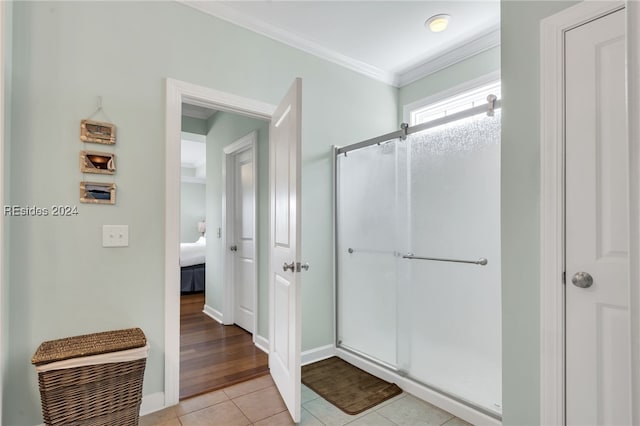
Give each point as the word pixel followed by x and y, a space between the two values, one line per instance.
pixel 405 375
pixel 406 130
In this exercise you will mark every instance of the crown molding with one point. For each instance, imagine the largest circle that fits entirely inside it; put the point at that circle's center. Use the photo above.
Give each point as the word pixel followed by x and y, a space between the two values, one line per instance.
pixel 406 76
pixel 455 54
pixel 231 15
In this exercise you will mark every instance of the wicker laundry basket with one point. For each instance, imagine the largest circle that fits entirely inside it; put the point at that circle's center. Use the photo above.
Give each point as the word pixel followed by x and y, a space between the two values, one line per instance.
pixel 94 379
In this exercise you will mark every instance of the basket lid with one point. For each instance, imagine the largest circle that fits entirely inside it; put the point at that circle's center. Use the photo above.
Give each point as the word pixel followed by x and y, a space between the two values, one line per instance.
pixel 89 344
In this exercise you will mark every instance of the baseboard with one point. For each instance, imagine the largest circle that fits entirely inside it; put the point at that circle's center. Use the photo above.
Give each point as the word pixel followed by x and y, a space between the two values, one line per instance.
pixel 213 313
pixel 439 400
pixel 318 354
pixel 261 343
pixel 307 357
pixel 152 403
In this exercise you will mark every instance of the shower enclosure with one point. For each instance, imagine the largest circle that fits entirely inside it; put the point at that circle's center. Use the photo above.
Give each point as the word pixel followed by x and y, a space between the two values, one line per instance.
pixel 418 254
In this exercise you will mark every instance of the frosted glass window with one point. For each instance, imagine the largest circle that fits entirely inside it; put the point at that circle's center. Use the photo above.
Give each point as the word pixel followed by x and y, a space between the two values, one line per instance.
pixel 452 105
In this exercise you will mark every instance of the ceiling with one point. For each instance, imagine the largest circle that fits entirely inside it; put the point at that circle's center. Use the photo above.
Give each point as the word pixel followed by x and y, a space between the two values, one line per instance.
pixel 385 40
pixel 196 111
pixel 193 152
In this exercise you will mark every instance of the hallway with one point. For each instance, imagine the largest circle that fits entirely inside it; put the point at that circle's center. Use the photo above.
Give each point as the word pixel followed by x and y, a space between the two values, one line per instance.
pixel 214 356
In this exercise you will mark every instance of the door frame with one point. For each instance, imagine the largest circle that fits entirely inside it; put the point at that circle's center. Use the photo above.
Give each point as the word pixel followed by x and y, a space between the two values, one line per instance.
pixel 552 213
pixel 177 92
pixel 248 142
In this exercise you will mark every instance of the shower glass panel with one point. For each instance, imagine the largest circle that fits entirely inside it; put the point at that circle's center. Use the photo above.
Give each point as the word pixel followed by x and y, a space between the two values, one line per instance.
pixel 450 324
pixel 435 194
pixel 367 226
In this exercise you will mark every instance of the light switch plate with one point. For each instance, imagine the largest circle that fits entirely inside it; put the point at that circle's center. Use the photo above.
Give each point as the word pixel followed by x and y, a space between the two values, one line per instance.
pixel 115 235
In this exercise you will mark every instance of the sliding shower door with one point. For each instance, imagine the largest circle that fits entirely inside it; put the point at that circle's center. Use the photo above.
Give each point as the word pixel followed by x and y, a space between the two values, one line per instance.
pixel 451 321
pixel 415 221
pixel 367 227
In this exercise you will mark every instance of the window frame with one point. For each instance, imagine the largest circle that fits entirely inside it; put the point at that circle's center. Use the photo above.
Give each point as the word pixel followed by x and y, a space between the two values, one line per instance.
pixel 458 90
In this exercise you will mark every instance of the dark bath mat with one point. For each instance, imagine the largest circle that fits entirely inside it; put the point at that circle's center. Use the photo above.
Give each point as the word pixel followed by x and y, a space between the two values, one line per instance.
pixel 347 387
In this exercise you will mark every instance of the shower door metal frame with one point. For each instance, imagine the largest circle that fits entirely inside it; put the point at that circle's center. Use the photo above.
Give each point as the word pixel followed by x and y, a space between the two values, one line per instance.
pixel 405 130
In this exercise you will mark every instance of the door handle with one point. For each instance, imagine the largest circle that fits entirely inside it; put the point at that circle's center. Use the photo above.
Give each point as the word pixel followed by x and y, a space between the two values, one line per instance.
pixel 300 267
pixel 233 248
pixel 291 266
pixel 582 280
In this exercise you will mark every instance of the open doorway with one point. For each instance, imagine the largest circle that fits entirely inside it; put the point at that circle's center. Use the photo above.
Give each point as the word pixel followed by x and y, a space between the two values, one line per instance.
pixel 221 267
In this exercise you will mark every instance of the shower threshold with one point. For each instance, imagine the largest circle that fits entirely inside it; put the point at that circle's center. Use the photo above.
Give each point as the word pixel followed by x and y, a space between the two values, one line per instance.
pixel 457 406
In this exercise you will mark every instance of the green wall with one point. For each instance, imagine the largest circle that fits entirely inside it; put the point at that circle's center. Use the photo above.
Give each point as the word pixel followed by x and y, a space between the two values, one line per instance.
pixel 65 54
pixel 62 282
pixel 194 125
pixel 226 128
pixel 192 210
pixel 6 26
pixel 520 207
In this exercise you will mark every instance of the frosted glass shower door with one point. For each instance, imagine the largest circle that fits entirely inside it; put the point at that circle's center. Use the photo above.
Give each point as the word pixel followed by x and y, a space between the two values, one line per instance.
pixel 367 229
pixel 450 325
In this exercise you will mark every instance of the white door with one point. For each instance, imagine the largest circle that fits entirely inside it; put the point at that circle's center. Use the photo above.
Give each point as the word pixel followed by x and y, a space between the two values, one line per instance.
pixel 284 224
pixel 598 370
pixel 244 240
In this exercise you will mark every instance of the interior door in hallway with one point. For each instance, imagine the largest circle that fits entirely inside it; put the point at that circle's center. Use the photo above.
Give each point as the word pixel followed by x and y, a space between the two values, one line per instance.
pixel 598 370
pixel 244 240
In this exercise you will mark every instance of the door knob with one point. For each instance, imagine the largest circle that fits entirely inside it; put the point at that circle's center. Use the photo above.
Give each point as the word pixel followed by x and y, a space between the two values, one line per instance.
pixel 291 266
pixel 233 248
pixel 301 266
pixel 582 280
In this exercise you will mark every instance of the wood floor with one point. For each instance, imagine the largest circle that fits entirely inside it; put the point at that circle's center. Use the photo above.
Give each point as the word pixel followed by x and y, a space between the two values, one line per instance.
pixel 214 356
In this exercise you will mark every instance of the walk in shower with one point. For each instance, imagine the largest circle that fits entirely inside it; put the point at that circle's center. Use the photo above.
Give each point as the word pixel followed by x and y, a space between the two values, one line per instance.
pixel 418 254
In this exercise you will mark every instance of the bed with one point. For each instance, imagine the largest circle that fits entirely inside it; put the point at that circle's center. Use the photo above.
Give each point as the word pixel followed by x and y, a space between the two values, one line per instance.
pixel 192 261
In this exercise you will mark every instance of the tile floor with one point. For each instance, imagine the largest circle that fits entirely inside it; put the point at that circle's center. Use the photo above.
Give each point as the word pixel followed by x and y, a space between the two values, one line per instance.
pixel 257 402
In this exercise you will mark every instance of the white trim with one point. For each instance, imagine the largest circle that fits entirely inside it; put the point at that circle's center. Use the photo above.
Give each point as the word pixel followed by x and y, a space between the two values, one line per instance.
pixel 176 93
pixel 230 14
pixel 452 406
pixel 213 313
pixel 633 98
pixel 152 403
pixel 452 56
pixel 318 354
pixel 407 75
pixel 261 342
pixel 483 80
pixel 552 29
pixel 248 142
